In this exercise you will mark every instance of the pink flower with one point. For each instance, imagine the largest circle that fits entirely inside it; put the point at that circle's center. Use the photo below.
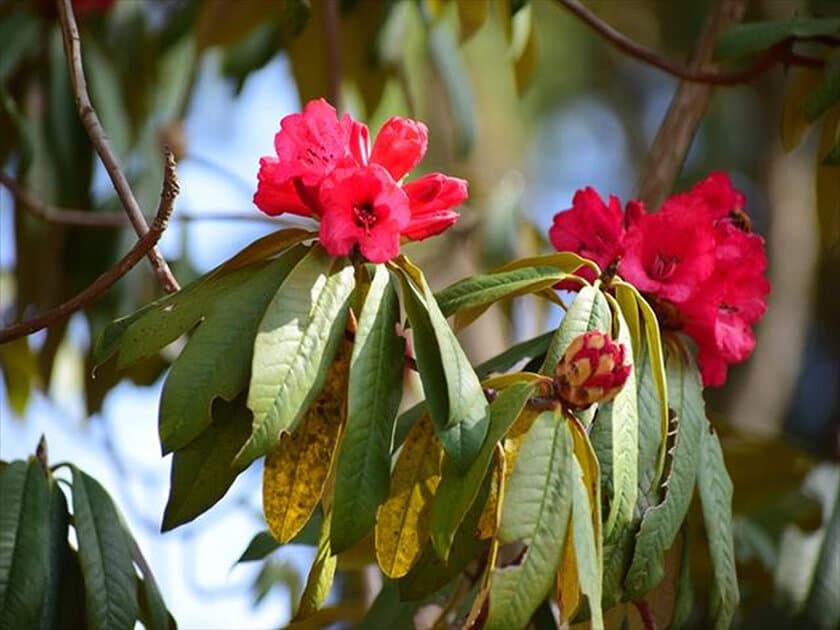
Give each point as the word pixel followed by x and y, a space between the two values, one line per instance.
pixel 669 253
pixel 363 206
pixel 320 158
pixel 591 229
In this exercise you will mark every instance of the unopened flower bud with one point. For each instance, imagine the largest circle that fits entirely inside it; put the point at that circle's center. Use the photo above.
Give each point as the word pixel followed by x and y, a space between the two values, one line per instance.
pixel 591 370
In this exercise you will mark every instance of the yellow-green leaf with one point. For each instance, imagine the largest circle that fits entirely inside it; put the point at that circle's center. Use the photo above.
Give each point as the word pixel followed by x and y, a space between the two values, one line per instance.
pixel 794 121
pixel 320 580
pixel 471 16
pixel 403 521
pixel 296 469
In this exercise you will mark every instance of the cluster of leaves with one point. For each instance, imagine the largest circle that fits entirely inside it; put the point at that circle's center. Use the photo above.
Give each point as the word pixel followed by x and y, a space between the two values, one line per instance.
pixel 595 499
pixel 813 99
pixel 47 582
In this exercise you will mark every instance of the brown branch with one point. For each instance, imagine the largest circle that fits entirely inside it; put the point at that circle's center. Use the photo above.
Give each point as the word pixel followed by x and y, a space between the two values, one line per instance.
pixel 686 110
pixel 90 121
pixel 333 52
pixel 88 218
pixel 780 53
pixel 109 278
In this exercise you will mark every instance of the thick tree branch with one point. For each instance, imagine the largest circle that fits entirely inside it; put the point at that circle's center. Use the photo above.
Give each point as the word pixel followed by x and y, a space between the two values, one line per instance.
pixel 88 218
pixel 110 277
pixel 96 133
pixel 780 53
pixel 687 108
pixel 333 52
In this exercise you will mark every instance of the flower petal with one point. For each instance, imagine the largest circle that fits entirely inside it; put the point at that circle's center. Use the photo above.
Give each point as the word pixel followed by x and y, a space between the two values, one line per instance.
pixel 276 193
pixel 432 198
pixel 400 145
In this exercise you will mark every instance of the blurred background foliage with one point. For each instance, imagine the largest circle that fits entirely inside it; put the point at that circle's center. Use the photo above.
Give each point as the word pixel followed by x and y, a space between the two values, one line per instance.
pixel 523 101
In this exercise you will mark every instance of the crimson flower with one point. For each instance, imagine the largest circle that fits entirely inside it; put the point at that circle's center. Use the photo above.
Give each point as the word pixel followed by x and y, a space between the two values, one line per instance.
pixel 325 168
pixel 696 260
pixel 591 370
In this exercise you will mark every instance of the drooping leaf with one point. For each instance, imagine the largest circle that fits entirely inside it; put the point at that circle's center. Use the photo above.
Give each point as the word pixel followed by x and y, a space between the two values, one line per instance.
pixel 794 123
pixel 152 611
pixel 204 470
pixel 827 94
pixel 216 363
pixel 585 544
pixel 402 522
pixel 297 467
pixel 455 398
pixel 523 48
pixel 754 37
pixel 263 543
pixel 374 393
pixel 715 488
pixel 20 369
pixel 457 491
pixel 388 610
pixel 24 543
pixel 471 297
pixel 568 583
pixel 59 521
pixel 471 16
pixel 536 511
pixel 822 605
pixel 105 556
pixel 661 524
pixel 294 347
pixel 320 579
pixel 589 311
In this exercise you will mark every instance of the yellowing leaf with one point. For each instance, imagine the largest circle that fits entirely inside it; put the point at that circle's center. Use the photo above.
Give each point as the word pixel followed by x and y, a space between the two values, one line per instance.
pixel 794 122
pixel 296 469
pixel 471 15
pixel 402 522
pixel 568 584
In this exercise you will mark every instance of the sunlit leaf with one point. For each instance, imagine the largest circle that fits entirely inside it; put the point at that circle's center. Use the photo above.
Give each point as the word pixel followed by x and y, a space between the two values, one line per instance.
pixel 516 353
pixel 536 511
pixel 589 311
pixel 297 467
pixel 320 579
pixel 295 343
pixel 585 543
pixel 455 398
pixel 403 521
pixel 374 393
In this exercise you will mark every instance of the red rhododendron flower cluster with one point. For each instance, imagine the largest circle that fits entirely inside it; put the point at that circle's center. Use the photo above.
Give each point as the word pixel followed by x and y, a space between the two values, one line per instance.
pixel 326 169
pixel 696 260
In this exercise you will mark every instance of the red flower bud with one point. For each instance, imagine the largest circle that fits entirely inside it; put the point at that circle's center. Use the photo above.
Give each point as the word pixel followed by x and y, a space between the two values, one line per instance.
pixel 591 370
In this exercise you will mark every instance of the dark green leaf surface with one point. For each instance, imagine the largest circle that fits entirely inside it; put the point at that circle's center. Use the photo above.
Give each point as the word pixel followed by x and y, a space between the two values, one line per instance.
pixel 754 37
pixel 204 470
pixel 513 355
pixel 58 526
pixel 715 489
pixel 105 557
pixel 216 363
pixel 24 543
pixel 374 394
pixel 294 347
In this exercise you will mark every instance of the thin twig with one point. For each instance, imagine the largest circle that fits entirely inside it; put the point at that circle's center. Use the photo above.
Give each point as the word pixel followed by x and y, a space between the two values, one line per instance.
pixel 90 121
pixel 89 218
pixel 780 53
pixel 646 614
pixel 332 46
pixel 110 277
pixel 686 111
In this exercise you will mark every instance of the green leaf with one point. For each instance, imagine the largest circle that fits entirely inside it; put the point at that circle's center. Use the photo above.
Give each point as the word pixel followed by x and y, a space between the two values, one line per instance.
pixel 589 311
pixel 319 582
pixel 204 470
pixel 216 363
pixel 389 610
pixel 59 521
pixel 374 393
pixel 661 524
pixel 755 37
pixel 537 507
pixel 474 295
pixel 264 544
pixel 586 546
pixel 24 543
pixel 827 94
pixel 454 394
pixel 71 609
pixel 524 350
pixel 105 556
pixel 458 490
pixel 624 420
pixel 716 499
pixel 152 609
pixel 295 344
pixel 823 601
pixel 105 92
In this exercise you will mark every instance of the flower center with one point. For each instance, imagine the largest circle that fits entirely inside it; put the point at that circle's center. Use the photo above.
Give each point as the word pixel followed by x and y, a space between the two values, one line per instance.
pixel 312 157
pixel 364 216
pixel 663 266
